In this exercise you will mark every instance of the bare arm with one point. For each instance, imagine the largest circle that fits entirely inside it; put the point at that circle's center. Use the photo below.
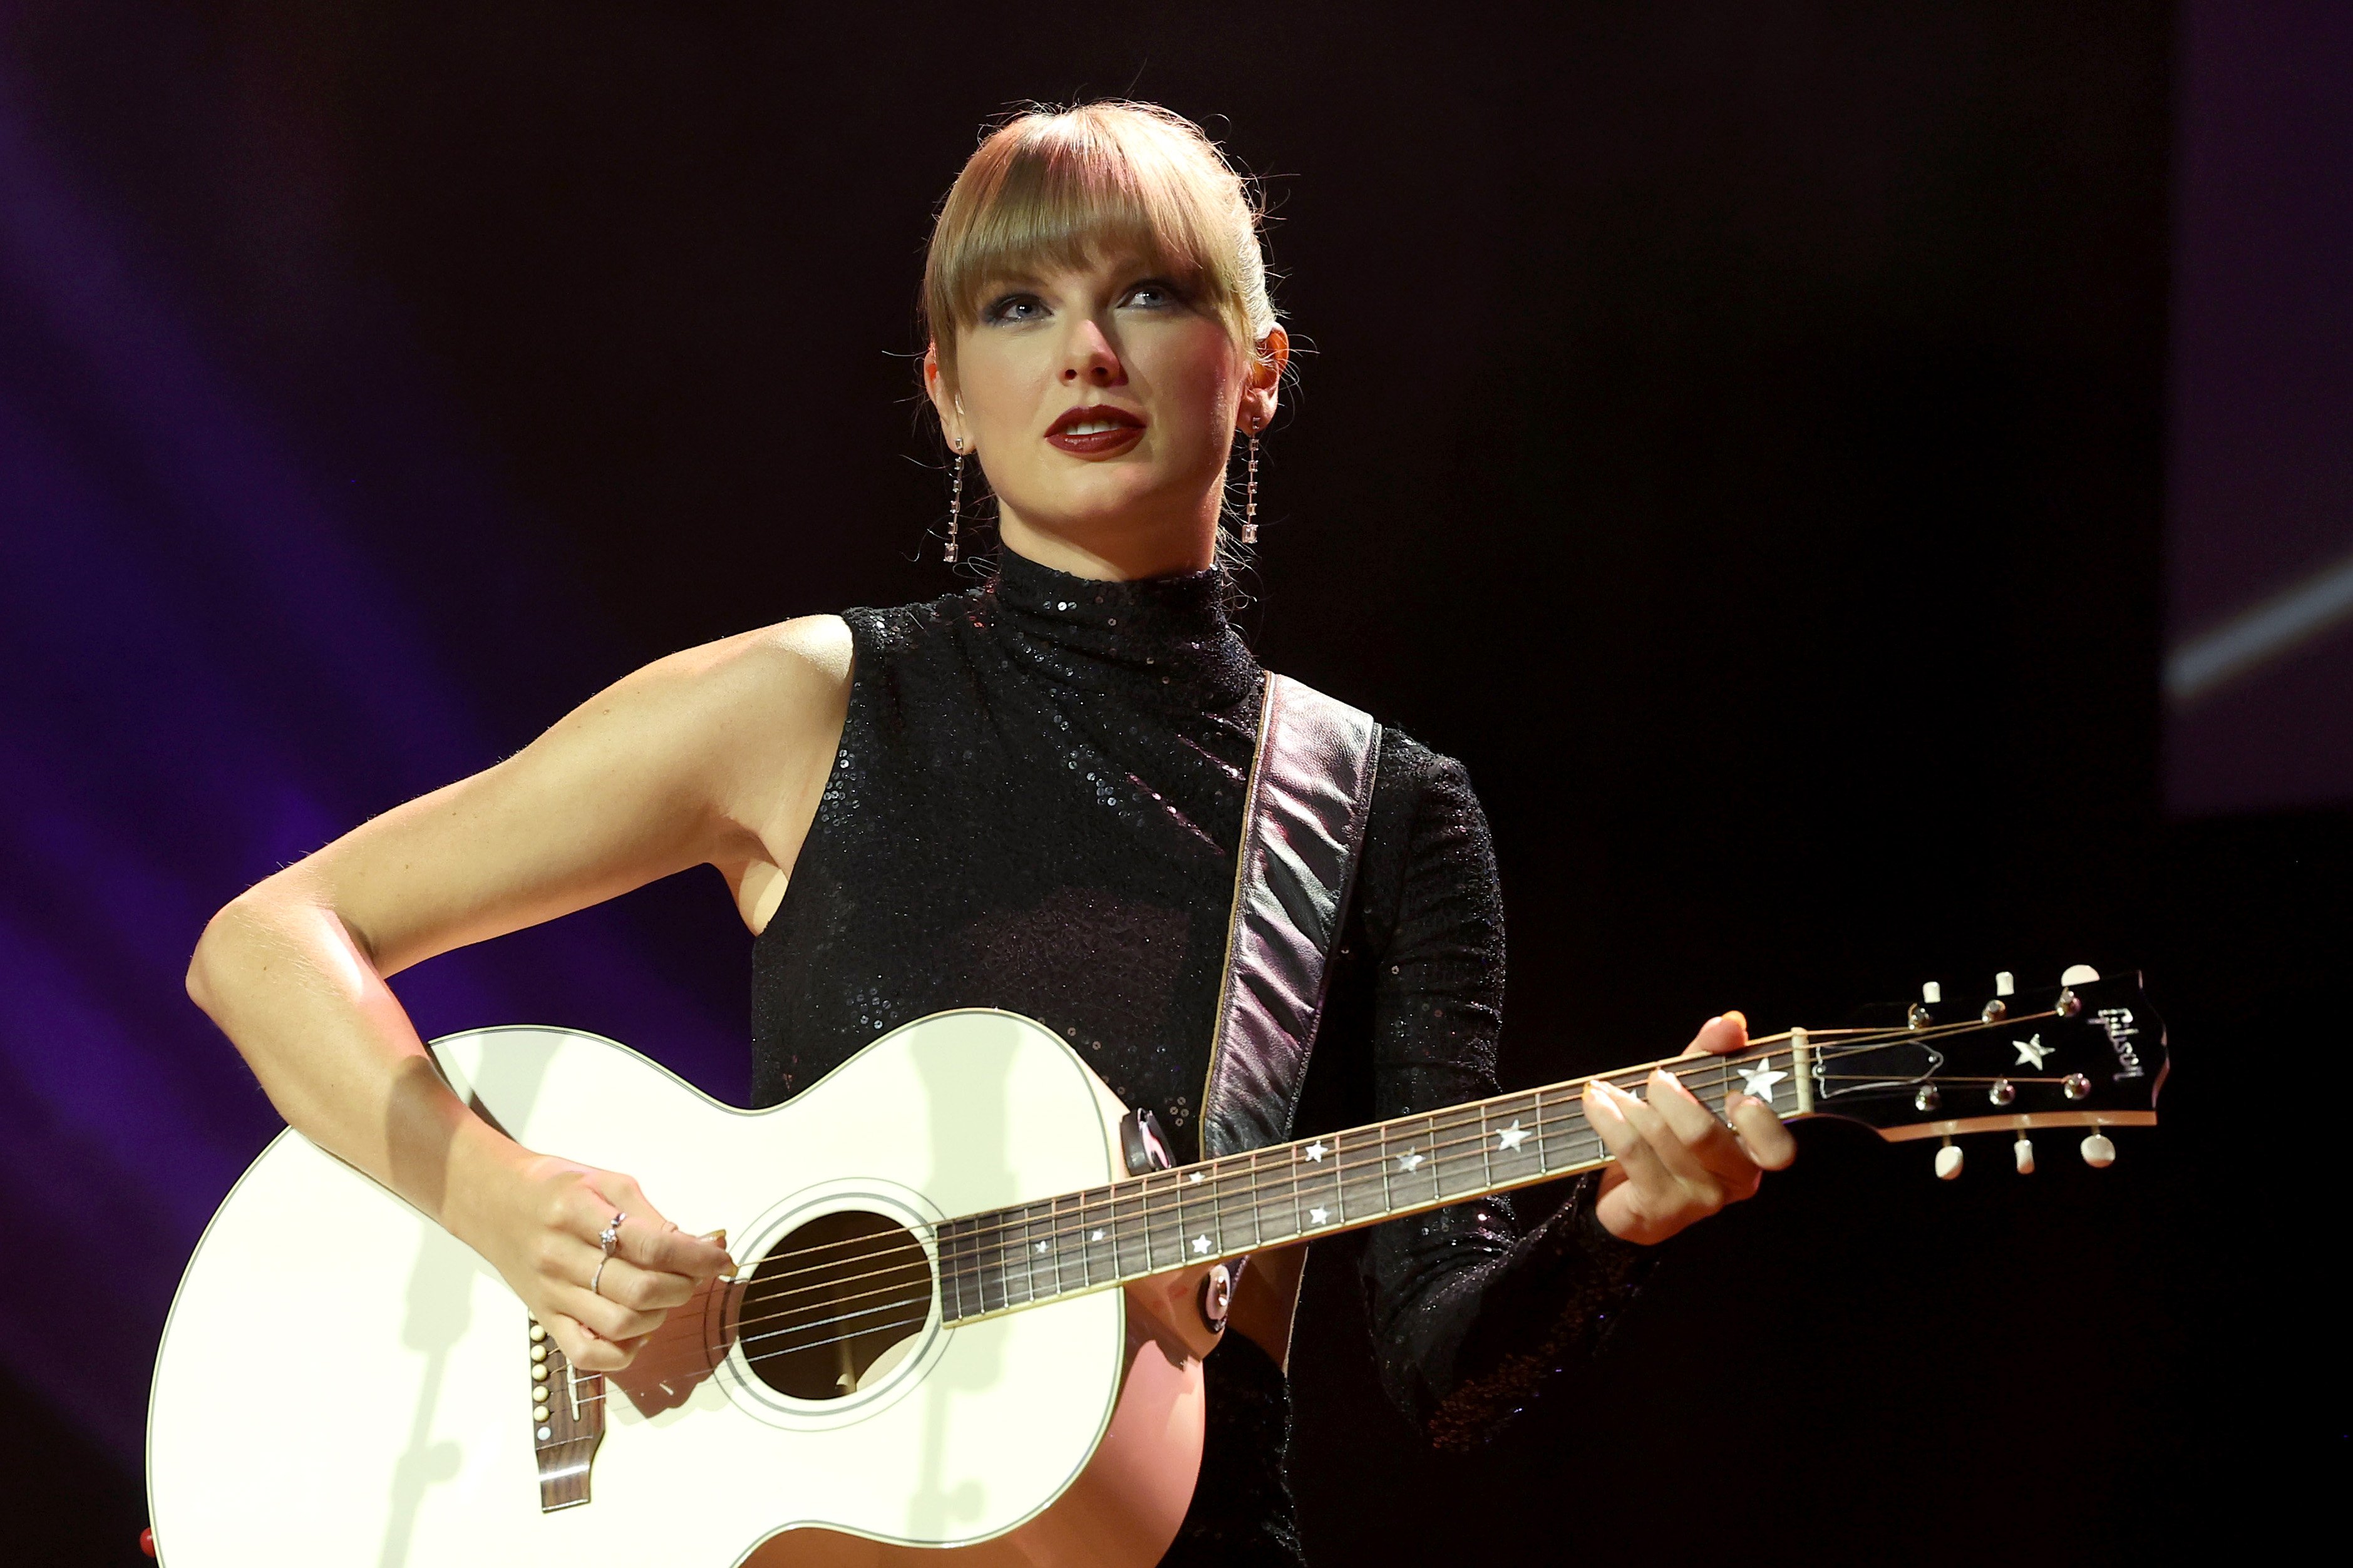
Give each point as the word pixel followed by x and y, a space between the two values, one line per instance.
pixel 716 756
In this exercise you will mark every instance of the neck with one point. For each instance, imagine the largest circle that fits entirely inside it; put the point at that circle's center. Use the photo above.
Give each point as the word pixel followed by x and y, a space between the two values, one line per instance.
pixel 1116 552
pixel 1226 1207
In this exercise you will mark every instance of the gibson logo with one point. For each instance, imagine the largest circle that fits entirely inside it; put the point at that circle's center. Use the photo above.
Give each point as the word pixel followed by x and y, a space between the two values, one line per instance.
pixel 2118 1022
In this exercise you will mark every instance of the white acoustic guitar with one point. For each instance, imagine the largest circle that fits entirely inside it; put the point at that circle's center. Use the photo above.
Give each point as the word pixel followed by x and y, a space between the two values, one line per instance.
pixel 963 1326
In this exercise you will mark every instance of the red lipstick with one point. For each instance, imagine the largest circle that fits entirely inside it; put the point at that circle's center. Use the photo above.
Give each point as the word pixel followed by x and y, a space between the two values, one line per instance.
pixel 1101 430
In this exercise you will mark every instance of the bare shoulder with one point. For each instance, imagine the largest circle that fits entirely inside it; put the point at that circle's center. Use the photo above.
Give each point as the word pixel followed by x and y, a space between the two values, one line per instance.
pixel 742 700
pixel 790 664
pixel 764 712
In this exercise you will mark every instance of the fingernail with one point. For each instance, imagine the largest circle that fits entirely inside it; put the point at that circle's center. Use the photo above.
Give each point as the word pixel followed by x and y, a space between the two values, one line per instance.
pixel 1736 1016
pixel 1671 1081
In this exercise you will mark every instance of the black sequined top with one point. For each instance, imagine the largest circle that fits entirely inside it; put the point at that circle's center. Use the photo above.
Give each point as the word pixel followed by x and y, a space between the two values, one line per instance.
pixel 1036 806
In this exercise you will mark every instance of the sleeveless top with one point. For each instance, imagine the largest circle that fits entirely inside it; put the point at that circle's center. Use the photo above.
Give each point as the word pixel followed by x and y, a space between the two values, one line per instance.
pixel 1035 806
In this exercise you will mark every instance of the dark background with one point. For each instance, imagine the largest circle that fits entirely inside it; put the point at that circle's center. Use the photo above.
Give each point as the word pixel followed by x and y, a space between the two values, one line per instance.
pixel 1740 432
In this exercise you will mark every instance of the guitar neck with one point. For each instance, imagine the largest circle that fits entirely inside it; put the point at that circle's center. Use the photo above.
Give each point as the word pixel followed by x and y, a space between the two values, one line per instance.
pixel 1181 1218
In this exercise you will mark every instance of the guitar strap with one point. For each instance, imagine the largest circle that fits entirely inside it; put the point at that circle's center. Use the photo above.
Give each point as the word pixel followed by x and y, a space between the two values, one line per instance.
pixel 1311 788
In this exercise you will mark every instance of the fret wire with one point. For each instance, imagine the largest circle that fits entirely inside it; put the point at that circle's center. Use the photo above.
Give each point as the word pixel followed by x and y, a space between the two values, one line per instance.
pixel 1061 1280
pixel 1032 1219
pixel 1341 1150
pixel 1595 1152
pixel 1598 1155
pixel 1441 1127
pixel 1828 1046
pixel 1298 1209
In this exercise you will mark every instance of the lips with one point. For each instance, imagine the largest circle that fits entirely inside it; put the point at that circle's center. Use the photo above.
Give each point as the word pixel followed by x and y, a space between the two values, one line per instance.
pixel 1096 430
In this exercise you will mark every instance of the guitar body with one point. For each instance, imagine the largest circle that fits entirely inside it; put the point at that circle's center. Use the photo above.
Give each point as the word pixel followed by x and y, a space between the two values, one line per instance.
pixel 342 1383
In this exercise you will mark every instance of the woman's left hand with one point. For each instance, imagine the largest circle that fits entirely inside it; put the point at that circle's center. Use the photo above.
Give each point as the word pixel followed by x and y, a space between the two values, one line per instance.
pixel 1676 1164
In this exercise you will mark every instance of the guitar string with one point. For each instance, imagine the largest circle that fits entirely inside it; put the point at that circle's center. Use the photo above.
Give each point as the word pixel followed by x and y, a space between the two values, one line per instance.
pixel 1585 1151
pixel 1754 1048
pixel 1587 1157
pixel 1086 1211
pixel 900 1303
pixel 1758 1045
pixel 1083 1210
pixel 978 1274
pixel 1085 1206
pixel 1254 1170
pixel 1494 1102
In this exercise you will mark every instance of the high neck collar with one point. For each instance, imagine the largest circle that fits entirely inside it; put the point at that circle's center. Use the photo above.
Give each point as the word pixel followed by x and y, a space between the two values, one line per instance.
pixel 1164 639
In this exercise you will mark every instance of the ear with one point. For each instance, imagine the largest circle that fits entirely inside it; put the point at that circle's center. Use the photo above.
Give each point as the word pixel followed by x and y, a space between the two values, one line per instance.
pixel 1262 381
pixel 944 400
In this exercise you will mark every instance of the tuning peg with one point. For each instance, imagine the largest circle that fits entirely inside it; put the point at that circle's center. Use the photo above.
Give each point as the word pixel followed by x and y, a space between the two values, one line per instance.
pixel 2024 1153
pixel 1949 1161
pixel 2079 974
pixel 2098 1153
pixel 2005 983
pixel 1932 993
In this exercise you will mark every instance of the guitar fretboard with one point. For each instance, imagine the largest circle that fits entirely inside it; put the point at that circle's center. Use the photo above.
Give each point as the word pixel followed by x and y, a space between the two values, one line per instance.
pixel 1092 1240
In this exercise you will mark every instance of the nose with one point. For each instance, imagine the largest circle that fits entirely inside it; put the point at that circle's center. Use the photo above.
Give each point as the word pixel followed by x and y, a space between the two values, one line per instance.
pixel 1091 359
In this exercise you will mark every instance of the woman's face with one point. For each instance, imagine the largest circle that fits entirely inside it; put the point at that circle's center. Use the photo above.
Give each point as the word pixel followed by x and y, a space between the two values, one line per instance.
pixel 1102 401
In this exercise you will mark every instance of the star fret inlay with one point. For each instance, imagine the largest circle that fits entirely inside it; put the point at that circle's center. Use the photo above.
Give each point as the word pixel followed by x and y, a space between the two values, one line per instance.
pixel 1315 1151
pixel 1758 1080
pixel 1201 1245
pixel 1319 1216
pixel 1511 1136
pixel 1408 1159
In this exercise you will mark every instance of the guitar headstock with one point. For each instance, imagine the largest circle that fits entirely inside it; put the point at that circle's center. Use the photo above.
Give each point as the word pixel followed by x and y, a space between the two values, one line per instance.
pixel 2087 1053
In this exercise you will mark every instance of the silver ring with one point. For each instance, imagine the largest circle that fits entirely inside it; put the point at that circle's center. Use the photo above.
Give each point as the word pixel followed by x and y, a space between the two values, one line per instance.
pixel 610 1236
pixel 592 1279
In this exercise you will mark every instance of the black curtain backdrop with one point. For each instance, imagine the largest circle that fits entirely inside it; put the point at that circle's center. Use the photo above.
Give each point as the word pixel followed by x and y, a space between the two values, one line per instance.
pixel 1735 430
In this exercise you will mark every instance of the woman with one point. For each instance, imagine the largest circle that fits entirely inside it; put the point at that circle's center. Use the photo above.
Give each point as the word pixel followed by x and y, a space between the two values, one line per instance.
pixel 1028 796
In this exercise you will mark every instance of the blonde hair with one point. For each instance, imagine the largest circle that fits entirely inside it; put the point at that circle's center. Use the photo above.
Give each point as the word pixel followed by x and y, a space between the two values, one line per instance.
pixel 1065 186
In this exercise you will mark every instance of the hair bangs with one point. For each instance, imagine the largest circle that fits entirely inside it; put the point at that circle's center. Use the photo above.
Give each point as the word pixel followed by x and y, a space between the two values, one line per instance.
pixel 1071 187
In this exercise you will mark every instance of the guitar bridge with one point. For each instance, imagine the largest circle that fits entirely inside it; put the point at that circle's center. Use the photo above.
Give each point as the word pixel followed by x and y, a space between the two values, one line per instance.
pixel 567 1422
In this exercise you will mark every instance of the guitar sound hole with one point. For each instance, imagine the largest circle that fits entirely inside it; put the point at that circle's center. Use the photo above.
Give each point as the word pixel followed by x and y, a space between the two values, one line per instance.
pixel 828 1304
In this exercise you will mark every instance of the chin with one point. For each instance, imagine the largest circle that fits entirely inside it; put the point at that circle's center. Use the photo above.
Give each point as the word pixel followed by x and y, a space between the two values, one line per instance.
pixel 1097 509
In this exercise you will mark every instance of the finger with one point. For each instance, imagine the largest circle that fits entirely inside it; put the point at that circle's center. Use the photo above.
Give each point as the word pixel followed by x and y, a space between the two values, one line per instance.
pixel 586 1349
pixel 650 1241
pixel 1610 1113
pixel 608 1320
pixel 640 1289
pixel 1724 1033
pixel 1707 1146
pixel 616 1280
pixel 1769 1142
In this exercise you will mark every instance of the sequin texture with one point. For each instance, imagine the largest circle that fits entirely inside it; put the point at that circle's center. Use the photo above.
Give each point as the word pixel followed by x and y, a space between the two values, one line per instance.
pixel 1035 806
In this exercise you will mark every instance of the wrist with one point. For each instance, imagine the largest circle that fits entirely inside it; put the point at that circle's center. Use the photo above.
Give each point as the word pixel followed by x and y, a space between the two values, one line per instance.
pixel 484 1170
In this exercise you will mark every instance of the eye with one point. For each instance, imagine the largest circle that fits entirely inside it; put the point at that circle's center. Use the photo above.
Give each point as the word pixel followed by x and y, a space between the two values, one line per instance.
pixel 1010 307
pixel 1153 294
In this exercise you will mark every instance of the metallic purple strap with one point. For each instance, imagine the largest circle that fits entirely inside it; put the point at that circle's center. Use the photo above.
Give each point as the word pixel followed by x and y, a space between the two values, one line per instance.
pixel 1311 788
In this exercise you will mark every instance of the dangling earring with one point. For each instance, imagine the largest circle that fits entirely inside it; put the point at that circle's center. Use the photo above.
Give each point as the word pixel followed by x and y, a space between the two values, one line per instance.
pixel 955 504
pixel 1249 491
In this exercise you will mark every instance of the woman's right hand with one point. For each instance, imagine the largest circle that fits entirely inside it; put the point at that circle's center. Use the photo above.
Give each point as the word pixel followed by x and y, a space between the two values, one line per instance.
pixel 542 1233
